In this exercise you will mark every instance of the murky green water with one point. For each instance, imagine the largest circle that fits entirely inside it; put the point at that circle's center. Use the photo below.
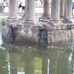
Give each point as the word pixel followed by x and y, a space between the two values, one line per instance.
pixel 35 60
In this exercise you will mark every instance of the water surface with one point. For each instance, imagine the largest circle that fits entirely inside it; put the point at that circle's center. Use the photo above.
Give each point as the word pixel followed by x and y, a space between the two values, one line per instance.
pixel 35 60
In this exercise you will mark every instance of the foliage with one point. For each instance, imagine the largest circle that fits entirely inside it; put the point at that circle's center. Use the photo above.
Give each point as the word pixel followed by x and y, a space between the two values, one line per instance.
pixel 2 20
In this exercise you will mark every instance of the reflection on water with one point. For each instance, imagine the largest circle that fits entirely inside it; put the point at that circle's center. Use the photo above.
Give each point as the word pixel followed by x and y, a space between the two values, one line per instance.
pixel 55 59
pixel 34 60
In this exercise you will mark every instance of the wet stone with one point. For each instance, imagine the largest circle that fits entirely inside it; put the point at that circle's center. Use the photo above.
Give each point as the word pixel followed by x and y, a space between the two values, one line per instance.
pixel 43 37
pixel 13 34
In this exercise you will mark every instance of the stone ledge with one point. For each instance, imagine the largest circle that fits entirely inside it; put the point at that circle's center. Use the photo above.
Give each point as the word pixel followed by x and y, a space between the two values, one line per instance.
pixel 28 33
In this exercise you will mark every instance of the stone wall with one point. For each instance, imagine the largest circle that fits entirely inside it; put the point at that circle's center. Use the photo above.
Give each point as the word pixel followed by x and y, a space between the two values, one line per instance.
pixel 28 33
